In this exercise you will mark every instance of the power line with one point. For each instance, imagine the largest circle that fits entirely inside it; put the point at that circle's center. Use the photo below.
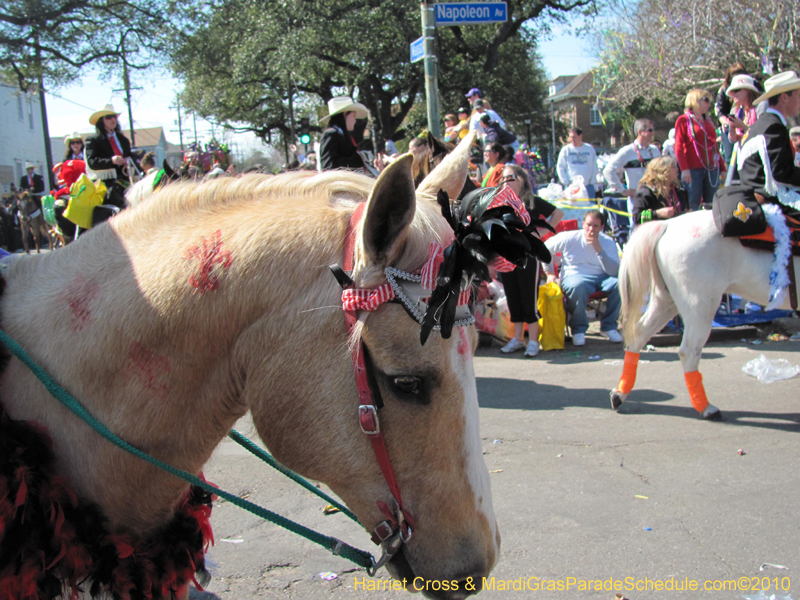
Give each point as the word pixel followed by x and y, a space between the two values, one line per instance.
pixel 68 100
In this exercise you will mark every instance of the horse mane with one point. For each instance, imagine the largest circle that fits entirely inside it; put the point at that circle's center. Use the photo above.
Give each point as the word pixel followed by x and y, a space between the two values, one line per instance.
pixel 294 191
pixel 328 199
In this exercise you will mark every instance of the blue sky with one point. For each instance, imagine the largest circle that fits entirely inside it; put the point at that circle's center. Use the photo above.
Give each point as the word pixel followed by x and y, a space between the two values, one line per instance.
pixel 69 108
pixel 565 54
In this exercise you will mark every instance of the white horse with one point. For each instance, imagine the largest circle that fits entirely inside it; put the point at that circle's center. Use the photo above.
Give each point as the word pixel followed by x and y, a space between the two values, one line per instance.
pixel 686 266
pixel 140 191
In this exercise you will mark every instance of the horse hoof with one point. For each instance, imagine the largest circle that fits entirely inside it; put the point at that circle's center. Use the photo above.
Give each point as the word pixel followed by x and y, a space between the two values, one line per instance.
pixel 616 399
pixel 714 416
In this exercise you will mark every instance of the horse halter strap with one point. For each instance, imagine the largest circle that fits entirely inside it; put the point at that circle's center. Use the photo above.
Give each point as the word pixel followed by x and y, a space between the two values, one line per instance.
pixel 397 528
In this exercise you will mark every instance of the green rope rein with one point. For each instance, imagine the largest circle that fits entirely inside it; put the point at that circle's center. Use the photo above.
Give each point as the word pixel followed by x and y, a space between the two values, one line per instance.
pixel 359 557
pixel 268 458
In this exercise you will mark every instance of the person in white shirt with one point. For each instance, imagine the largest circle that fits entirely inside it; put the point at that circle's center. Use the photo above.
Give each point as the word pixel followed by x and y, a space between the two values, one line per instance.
pixel 589 264
pixel 669 146
pixel 633 159
pixel 478 112
pixel 577 158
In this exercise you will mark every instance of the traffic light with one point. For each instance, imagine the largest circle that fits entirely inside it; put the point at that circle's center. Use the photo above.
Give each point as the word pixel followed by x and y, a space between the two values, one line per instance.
pixel 305 138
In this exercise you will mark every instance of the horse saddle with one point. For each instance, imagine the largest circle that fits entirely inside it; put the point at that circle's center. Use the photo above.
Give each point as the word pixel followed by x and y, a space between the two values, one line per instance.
pixel 766 241
pixel 737 212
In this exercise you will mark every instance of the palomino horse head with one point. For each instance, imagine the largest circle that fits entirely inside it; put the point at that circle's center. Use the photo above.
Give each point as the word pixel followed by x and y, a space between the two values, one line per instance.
pixel 212 299
pixel 430 412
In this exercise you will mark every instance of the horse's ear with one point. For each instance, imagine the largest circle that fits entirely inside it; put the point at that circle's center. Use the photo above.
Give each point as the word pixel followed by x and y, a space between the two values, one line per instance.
pixel 436 146
pixel 390 210
pixel 168 171
pixel 451 174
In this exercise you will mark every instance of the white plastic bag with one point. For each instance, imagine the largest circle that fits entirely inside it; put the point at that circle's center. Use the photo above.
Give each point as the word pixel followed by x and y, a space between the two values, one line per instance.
pixel 552 192
pixel 767 370
pixel 576 190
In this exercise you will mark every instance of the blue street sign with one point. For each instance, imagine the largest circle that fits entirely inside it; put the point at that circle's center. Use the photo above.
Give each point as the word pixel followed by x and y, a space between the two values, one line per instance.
pixel 417 50
pixel 470 13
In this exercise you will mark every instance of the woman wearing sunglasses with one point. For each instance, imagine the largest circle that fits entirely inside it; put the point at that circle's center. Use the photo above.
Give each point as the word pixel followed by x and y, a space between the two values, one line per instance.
pixel 522 284
pixel 74 147
pixel 743 92
pixel 696 149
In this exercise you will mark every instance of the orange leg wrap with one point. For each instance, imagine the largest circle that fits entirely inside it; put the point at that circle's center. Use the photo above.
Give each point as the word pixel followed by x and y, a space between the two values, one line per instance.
pixel 628 372
pixel 697 393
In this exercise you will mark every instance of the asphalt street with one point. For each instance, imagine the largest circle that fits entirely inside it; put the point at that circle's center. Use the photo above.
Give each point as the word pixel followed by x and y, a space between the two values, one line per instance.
pixel 584 496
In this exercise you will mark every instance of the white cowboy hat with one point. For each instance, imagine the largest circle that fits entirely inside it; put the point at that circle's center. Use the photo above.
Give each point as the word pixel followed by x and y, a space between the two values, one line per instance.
pixel 777 84
pixel 29 165
pixel 742 82
pixel 108 109
pixel 343 104
pixel 75 136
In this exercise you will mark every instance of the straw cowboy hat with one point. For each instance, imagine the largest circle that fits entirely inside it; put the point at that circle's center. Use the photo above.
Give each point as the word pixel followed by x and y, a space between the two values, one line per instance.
pixel 108 109
pixel 70 138
pixel 742 82
pixel 29 165
pixel 343 104
pixel 777 84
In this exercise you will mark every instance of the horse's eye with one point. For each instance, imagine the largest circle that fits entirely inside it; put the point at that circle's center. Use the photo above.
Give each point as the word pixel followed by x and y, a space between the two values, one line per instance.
pixel 408 385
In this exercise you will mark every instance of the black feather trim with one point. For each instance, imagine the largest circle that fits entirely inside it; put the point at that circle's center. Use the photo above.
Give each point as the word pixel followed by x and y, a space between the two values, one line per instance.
pixel 49 538
pixel 481 235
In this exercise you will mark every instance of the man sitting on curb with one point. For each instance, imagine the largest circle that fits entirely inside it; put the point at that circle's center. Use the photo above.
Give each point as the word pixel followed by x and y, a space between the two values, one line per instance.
pixel 589 263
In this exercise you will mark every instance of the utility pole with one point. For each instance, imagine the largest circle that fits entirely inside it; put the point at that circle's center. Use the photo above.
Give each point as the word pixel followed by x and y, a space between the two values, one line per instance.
pixel 180 121
pixel 553 127
pixel 127 82
pixel 431 77
pixel 291 113
pixel 45 128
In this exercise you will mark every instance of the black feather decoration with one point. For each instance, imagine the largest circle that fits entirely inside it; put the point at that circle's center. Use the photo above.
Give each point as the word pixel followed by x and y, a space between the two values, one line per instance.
pixel 481 235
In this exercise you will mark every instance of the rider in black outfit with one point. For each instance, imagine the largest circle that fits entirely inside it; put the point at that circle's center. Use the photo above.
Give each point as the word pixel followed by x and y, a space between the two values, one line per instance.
pixel 107 152
pixel 338 148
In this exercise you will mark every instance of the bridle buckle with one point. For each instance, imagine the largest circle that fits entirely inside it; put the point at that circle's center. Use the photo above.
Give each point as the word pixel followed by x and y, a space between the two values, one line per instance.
pixel 368 419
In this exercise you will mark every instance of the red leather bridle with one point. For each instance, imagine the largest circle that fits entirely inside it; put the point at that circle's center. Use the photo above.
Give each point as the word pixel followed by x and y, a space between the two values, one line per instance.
pixel 398 526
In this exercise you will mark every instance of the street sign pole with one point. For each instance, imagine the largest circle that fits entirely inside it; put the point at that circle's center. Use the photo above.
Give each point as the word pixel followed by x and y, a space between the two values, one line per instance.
pixel 431 77
pixel 447 14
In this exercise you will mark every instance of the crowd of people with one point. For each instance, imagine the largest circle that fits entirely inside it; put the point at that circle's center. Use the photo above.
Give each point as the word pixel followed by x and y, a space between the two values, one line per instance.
pixel 750 143
pixel 699 157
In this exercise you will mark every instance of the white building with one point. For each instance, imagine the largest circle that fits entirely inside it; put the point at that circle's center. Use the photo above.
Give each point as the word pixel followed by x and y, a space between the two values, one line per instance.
pixel 21 137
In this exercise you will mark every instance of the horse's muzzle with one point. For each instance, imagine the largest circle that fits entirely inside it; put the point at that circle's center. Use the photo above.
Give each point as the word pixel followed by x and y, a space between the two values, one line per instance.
pixel 445 589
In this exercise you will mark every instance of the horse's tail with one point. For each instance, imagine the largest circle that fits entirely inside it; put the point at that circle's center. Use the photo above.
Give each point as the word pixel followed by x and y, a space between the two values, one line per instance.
pixel 639 273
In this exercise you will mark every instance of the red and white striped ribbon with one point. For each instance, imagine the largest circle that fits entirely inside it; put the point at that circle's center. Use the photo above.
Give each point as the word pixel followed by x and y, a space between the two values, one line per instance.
pixel 502 265
pixel 507 197
pixel 430 270
pixel 363 299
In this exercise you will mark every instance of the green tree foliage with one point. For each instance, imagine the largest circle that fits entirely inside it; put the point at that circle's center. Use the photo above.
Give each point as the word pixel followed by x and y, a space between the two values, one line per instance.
pixel 54 39
pixel 655 53
pixel 244 57
pixel 515 85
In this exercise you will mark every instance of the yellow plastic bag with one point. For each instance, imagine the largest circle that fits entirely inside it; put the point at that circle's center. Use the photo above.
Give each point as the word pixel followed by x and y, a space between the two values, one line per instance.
pixel 84 196
pixel 554 320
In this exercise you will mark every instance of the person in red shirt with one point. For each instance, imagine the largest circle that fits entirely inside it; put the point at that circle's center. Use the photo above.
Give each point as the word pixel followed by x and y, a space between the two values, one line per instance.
pixel 696 149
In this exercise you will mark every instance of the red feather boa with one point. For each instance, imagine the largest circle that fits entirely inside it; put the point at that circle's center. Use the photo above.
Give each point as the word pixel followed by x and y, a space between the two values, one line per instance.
pixel 52 542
